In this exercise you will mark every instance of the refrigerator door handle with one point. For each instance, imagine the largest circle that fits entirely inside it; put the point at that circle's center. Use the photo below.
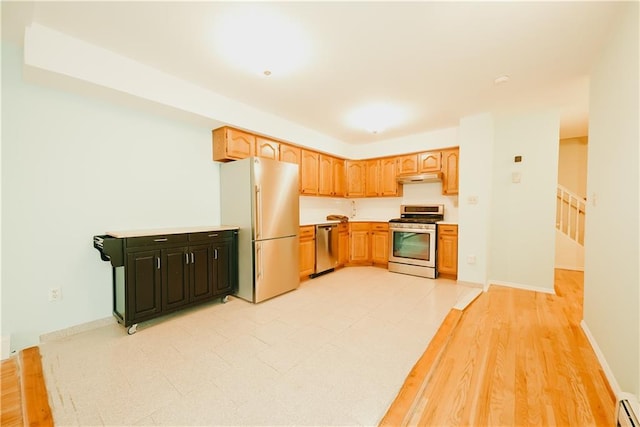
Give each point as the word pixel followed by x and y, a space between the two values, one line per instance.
pixel 258 261
pixel 258 194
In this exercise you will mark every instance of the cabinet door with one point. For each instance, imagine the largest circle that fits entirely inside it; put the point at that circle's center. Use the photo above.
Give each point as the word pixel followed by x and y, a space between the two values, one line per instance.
pixel 143 284
pixel 388 183
pixel 240 144
pixel 447 254
pixel 408 165
pixel 325 176
pixel 447 258
pixel 429 162
pixel 175 277
pixel 307 257
pixel 355 178
pixel 289 154
pixel 450 171
pixel 309 173
pixel 359 243
pixel 380 243
pixel 267 148
pixel 338 178
pixel 372 180
pixel 343 247
pixel 201 261
pixel 224 266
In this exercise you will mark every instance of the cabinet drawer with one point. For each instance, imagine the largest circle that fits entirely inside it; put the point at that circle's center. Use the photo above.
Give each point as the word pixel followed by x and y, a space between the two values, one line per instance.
pixel 447 229
pixel 380 226
pixel 210 235
pixel 162 239
pixel 307 232
pixel 343 227
pixel 359 226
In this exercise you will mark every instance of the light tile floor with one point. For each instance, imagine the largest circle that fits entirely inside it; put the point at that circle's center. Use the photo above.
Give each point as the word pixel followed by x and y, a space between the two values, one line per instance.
pixel 333 352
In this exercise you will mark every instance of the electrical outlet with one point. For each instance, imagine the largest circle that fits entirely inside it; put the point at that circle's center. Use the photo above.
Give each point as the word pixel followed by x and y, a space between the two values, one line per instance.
pixel 55 294
pixel 471 259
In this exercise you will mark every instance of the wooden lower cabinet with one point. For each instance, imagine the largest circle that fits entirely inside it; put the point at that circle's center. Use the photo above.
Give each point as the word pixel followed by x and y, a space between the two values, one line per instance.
pixel 380 243
pixel 359 243
pixel 307 251
pixel 369 243
pixel 447 249
pixel 343 244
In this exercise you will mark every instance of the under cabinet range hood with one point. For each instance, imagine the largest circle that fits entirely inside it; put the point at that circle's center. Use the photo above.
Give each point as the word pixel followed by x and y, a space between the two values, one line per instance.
pixel 423 177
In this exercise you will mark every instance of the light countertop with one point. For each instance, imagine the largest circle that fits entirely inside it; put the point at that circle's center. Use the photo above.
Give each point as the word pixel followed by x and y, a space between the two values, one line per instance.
pixel 305 223
pixel 176 230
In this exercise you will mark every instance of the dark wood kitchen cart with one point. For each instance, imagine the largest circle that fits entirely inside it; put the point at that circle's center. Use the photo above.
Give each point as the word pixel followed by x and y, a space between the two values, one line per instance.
pixel 156 272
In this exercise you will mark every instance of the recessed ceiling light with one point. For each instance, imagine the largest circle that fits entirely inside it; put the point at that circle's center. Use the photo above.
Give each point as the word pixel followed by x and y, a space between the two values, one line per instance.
pixel 377 117
pixel 256 39
pixel 501 79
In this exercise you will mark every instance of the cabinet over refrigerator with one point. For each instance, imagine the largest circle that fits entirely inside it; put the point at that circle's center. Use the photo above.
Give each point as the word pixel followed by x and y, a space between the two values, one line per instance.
pixel 261 197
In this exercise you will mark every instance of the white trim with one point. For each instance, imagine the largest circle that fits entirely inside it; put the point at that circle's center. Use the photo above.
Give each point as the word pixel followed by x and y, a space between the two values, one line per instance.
pixel 603 361
pixel 470 284
pixel 569 267
pixel 520 286
pixel 467 299
pixel 83 327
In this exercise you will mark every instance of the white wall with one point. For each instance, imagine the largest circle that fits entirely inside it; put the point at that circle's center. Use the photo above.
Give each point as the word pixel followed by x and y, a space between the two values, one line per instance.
pixel 612 279
pixel 572 165
pixel 475 137
pixel 73 167
pixel 522 230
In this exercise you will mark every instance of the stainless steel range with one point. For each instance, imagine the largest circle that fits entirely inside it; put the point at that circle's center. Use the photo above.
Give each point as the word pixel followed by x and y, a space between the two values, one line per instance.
pixel 412 242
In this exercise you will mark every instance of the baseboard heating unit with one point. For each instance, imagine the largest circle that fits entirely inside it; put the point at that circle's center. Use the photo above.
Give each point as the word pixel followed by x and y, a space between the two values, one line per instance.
pixel 627 417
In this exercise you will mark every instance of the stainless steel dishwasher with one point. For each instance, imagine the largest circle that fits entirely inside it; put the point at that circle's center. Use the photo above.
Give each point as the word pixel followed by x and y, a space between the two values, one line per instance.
pixel 326 248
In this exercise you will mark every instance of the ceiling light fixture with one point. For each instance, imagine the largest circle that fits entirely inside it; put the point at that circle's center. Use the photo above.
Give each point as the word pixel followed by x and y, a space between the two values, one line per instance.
pixel 501 79
pixel 376 118
pixel 256 39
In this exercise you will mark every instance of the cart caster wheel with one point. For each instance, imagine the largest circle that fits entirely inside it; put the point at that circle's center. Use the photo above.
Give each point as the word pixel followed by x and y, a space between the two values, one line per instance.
pixel 224 299
pixel 132 329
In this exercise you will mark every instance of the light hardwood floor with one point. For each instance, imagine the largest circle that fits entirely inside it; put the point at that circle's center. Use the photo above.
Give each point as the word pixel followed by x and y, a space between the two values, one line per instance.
pixel 24 394
pixel 514 357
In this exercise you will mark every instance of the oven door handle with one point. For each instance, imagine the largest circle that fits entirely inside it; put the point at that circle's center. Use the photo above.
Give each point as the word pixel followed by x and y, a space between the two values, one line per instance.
pixel 414 230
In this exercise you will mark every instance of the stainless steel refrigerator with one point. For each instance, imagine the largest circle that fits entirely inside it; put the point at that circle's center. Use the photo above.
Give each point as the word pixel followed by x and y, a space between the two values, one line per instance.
pixel 261 197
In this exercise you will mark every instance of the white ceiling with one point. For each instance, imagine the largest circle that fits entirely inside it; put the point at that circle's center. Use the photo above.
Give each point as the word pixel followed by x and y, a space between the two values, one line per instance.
pixel 438 60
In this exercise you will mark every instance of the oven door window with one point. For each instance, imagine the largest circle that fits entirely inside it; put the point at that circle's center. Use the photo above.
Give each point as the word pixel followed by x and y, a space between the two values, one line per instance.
pixel 412 245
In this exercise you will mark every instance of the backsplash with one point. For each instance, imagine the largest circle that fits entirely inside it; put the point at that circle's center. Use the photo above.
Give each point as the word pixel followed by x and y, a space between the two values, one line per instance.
pixel 315 209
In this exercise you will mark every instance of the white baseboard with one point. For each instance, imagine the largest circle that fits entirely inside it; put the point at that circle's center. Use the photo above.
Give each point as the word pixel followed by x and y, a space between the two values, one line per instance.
pixel 569 267
pixel 520 286
pixel 467 298
pixel 83 327
pixel 603 361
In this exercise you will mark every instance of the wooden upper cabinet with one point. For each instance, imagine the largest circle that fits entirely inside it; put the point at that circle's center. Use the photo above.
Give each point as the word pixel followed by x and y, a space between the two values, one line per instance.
pixel 429 161
pixel 290 154
pixel 325 175
pixel 388 185
pixel 267 148
pixel 339 187
pixel 372 180
pixel 232 144
pixel 356 172
pixel 450 159
pixel 309 172
pixel 407 165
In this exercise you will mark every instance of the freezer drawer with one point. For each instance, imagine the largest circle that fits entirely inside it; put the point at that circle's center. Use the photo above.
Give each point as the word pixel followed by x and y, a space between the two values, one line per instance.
pixel 276 267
